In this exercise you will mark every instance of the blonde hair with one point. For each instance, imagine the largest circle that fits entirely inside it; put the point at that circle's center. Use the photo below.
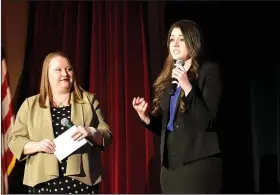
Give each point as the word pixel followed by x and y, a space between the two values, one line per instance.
pixel 45 88
pixel 193 42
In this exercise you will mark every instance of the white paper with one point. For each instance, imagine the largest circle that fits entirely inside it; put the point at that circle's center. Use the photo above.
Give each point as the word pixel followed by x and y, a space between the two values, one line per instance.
pixel 65 145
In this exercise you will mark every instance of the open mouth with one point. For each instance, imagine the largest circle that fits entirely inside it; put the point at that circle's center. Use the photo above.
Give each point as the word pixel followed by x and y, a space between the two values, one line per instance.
pixel 65 80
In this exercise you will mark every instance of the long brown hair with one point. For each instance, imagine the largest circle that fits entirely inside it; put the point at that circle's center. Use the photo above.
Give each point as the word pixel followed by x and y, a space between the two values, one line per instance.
pixel 45 88
pixel 193 40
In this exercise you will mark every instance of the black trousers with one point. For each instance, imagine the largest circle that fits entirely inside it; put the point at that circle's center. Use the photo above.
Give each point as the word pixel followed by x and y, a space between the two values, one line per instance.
pixel 200 176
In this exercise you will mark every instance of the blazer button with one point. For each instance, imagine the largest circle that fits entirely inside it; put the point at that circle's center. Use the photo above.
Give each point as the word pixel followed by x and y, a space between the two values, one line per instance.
pixel 176 125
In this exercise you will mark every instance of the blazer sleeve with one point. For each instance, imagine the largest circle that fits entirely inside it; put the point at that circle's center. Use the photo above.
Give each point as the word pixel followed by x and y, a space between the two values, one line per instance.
pixel 202 102
pixel 19 136
pixel 102 125
pixel 155 124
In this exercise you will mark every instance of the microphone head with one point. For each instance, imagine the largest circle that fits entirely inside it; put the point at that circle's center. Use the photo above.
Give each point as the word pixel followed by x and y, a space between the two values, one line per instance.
pixel 64 122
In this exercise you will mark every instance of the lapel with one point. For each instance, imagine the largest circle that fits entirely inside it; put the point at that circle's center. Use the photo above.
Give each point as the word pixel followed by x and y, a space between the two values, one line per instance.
pixel 77 114
pixel 81 114
pixel 46 121
pixel 165 101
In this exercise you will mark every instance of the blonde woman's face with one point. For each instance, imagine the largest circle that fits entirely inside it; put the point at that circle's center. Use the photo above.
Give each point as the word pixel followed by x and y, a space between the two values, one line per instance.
pixel 177 47
pixel 60 75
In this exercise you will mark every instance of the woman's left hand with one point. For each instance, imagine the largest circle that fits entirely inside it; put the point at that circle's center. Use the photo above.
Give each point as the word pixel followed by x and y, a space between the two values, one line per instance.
pixel 180 73
pixel 81 133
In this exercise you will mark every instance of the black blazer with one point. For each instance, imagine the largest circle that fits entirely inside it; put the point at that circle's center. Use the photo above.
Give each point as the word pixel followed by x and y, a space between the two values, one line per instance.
pixel 195 135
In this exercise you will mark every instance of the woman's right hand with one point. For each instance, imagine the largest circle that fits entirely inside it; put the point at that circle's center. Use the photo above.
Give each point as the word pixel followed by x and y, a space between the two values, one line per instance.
pixel 46 146
pixel 140 105
pixel 33 147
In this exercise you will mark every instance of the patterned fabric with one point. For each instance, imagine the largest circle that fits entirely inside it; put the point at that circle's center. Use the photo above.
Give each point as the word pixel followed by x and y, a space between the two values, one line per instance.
pixel 62 184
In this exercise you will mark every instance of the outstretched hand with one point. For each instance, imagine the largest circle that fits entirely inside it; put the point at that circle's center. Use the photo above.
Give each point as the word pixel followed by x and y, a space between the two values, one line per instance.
pixel 140 106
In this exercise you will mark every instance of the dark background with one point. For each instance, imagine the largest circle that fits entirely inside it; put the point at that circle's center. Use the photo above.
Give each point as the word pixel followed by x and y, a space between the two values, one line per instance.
pixel 244 38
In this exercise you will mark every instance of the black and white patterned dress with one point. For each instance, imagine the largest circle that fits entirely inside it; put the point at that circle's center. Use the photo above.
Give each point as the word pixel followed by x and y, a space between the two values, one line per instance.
pixel 62 184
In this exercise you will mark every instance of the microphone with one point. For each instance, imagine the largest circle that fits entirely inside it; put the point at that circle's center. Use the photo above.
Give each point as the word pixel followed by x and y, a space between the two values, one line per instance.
pixel 67 123
pixel 175 81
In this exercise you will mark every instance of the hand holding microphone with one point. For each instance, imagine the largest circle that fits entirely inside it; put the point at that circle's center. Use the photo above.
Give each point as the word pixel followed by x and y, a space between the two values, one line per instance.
pixel 179 75
pixel 174 76
pixel 82 132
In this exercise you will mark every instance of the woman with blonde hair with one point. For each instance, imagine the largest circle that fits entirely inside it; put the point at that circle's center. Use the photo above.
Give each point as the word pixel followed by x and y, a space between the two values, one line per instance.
pixel 38 123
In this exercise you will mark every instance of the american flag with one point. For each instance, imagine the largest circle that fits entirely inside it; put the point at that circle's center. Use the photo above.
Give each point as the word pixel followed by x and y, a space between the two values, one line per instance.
pixel 8 160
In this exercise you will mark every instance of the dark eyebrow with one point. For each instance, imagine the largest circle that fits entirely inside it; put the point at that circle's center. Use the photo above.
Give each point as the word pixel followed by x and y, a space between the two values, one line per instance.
pixel 179 35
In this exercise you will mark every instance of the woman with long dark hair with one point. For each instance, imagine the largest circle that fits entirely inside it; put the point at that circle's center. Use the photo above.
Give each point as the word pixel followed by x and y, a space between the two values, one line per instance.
pixel 184 116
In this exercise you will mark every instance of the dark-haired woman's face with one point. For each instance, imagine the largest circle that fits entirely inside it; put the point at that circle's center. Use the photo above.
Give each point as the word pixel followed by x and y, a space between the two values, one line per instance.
pixel 177 46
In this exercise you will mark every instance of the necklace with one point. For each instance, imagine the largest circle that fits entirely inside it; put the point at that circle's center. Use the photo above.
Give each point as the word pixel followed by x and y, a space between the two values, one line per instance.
pixel 60 104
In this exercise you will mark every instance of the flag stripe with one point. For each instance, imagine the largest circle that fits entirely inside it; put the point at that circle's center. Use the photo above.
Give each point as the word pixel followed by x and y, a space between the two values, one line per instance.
pixel 4 87
pixel 7 121
pixel 8 155
pixel 4 70
pixel 5 184
pixel 4 175
pixel 5 136
pixel 5 105
pixel 12 164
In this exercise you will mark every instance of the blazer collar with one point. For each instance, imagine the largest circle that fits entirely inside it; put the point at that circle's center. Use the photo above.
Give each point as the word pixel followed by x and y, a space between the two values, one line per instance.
pixel 46 121
pixel 77 116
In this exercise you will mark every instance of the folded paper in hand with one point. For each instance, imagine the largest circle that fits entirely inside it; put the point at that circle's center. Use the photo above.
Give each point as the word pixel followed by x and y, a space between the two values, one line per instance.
pixel 65 145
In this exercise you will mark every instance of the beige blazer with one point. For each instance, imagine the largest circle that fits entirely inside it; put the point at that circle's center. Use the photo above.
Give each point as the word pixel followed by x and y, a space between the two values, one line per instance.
pixel 35 123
